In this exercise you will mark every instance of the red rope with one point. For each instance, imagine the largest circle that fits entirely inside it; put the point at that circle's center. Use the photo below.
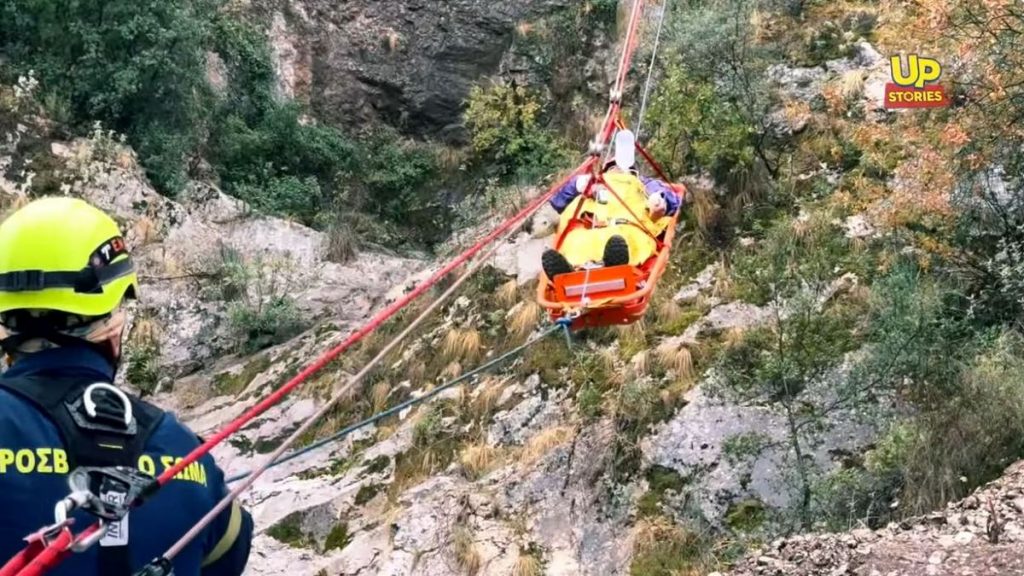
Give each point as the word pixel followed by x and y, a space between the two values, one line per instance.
pixel 653 164
pixel 57 550
pixel 52 554
pixel 35 559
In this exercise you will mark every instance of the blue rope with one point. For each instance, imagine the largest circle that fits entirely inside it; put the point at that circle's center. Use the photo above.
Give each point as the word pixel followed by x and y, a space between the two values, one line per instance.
pixel 402 406
pixel 566 324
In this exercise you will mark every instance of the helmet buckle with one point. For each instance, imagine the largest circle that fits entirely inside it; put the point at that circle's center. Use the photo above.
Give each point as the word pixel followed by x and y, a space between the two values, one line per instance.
pixel 27 280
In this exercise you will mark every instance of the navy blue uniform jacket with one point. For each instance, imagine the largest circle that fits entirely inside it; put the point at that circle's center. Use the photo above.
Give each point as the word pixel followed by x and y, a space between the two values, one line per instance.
pixel 33 478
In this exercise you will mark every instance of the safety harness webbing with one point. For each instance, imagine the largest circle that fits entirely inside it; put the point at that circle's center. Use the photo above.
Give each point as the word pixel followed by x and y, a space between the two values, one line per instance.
pixel 97 429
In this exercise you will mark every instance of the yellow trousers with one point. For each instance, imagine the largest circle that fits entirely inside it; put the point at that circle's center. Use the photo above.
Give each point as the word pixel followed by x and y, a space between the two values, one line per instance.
pixel 582 245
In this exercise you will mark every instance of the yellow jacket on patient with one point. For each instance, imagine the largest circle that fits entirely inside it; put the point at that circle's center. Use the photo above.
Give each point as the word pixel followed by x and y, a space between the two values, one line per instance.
pixel 582 245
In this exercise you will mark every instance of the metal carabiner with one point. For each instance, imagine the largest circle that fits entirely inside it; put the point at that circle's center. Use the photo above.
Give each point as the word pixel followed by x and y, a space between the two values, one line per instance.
pixel 90 404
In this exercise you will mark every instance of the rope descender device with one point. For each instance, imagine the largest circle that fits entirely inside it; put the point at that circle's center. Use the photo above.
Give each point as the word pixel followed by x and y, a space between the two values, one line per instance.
pixel 106 493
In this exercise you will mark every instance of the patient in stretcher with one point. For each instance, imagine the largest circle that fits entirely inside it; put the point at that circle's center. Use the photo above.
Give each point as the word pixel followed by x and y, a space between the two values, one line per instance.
pixel 616 223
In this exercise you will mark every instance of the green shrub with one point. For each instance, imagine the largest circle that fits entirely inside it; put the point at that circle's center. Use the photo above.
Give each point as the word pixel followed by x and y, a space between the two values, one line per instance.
pixel 639 402
pixel 278 164
pixel 696 129
pixel 398 183
pixel 289 531
pixel 746 515
pixel 796 257
pixel 850 496
pixel 508 132
pixel 246 54
pixel 260 313
pixel 143 367
pixel 338 538
pixel 138 67
pixel 834 39
pixel 659 481
pixel 710 111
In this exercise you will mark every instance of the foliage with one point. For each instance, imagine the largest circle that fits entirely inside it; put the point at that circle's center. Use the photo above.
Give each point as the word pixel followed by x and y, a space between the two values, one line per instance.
pixel 698 130
pixel 659 481
pixel 795 256
pixel 289 531
pixel 136 66
pixel 261 313
pixel 338 538
pixel 508 132
pixel 746 515
pixel 279 165
pixel 710 110
pixel 834 38
pixel 663 549
pixel 140 68
pixel 143 367
pixel 809 331
pixel 397 177
pixel 964 381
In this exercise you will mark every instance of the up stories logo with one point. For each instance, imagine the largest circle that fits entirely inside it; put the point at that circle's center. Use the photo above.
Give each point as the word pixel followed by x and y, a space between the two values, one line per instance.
pixel 915 87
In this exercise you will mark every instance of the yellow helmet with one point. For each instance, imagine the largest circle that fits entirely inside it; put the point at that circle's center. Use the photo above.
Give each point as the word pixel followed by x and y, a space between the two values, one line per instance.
pixel 65 255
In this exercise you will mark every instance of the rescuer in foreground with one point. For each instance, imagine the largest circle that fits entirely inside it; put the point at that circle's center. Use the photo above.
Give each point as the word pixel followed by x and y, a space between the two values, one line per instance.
pixel 64 272
pixel 617 233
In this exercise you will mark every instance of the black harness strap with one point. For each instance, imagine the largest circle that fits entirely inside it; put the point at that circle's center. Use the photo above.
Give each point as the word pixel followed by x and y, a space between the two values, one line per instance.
pixel 95 433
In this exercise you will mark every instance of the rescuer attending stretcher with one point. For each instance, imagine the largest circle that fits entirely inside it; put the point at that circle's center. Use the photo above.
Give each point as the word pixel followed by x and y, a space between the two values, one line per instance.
pixel 618 231
pixel 64 271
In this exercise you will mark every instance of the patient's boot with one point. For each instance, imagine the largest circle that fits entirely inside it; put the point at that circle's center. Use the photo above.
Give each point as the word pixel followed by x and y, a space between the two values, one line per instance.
pixel 616 251
pixel 554 263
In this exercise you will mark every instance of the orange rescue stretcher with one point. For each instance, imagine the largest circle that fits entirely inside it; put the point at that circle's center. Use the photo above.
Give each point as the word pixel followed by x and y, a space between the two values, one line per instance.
pixel 614 295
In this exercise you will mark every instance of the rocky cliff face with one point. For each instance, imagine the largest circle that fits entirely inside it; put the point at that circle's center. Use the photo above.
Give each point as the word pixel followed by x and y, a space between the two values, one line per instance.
pixel 543 488
pixel 407 63
pixel 981 534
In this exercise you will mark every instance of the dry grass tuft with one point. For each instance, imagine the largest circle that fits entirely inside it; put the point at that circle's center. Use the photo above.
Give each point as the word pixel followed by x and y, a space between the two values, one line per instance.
pixel 609 360
pixel 660 543
pixel 851 85
pixel 478 459
pixel 527 565
pixel 465 551
pixel 384 431
pixel 452 371
pixel 415 372
pixel 678 360
pixel 486 400
pixel 543 442
pixel 145 332
pixel 523 318
pixel 724 285
pixel 342 242
pixel 667 311
pixel 507 294
pixel 632 338
pixel 524 28
pixel 640 364
pixel 462 344
pixel 393 40
pixel 704 208
pixel 14 202
pixel 733 337
pixel 144 231
pixel 379 395
pixel 672 396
